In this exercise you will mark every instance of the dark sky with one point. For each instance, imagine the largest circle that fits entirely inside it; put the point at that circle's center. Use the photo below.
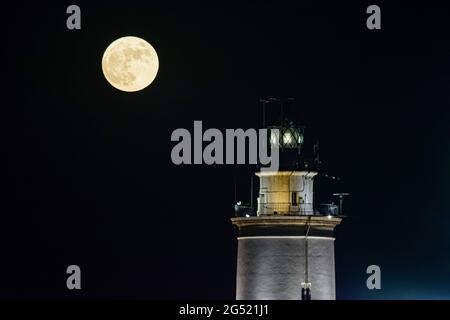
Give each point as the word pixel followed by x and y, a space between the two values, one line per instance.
pixel 87 176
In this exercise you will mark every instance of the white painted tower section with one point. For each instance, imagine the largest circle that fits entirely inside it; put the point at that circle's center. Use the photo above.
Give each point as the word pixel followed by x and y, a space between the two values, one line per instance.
pixel 271 260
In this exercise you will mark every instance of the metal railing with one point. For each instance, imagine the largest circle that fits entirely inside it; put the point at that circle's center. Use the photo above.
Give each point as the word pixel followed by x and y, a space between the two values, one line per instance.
pixel 304 209
pixel 286 208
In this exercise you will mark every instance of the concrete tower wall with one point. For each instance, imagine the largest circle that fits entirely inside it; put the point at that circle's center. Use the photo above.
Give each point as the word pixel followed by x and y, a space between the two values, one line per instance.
pixel 273 267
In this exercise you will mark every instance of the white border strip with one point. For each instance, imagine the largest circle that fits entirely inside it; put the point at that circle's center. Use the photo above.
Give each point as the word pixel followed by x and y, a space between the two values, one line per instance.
pixel 284 237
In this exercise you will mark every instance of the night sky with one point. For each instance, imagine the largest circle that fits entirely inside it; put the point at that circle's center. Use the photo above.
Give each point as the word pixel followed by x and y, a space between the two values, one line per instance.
pixel 87 175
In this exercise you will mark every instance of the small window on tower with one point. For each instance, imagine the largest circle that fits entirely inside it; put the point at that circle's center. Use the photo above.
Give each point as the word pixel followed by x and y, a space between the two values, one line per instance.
pixel 294 198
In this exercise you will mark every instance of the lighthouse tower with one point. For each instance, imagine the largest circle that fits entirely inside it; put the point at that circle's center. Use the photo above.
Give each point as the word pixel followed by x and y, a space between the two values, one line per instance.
pixel 286 243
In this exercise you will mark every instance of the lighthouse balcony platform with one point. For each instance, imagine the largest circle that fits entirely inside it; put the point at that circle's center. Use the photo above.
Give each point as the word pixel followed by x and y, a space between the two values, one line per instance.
pixel 286 225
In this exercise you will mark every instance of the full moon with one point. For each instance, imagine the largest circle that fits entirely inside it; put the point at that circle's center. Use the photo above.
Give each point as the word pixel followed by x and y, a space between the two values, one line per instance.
pixel 130 64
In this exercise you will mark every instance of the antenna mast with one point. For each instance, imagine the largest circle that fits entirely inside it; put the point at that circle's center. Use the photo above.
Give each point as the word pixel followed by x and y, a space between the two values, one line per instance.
pixel 341 200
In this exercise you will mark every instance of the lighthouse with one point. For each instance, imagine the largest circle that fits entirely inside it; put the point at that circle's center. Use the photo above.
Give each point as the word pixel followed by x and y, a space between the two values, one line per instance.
pixel 286 242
